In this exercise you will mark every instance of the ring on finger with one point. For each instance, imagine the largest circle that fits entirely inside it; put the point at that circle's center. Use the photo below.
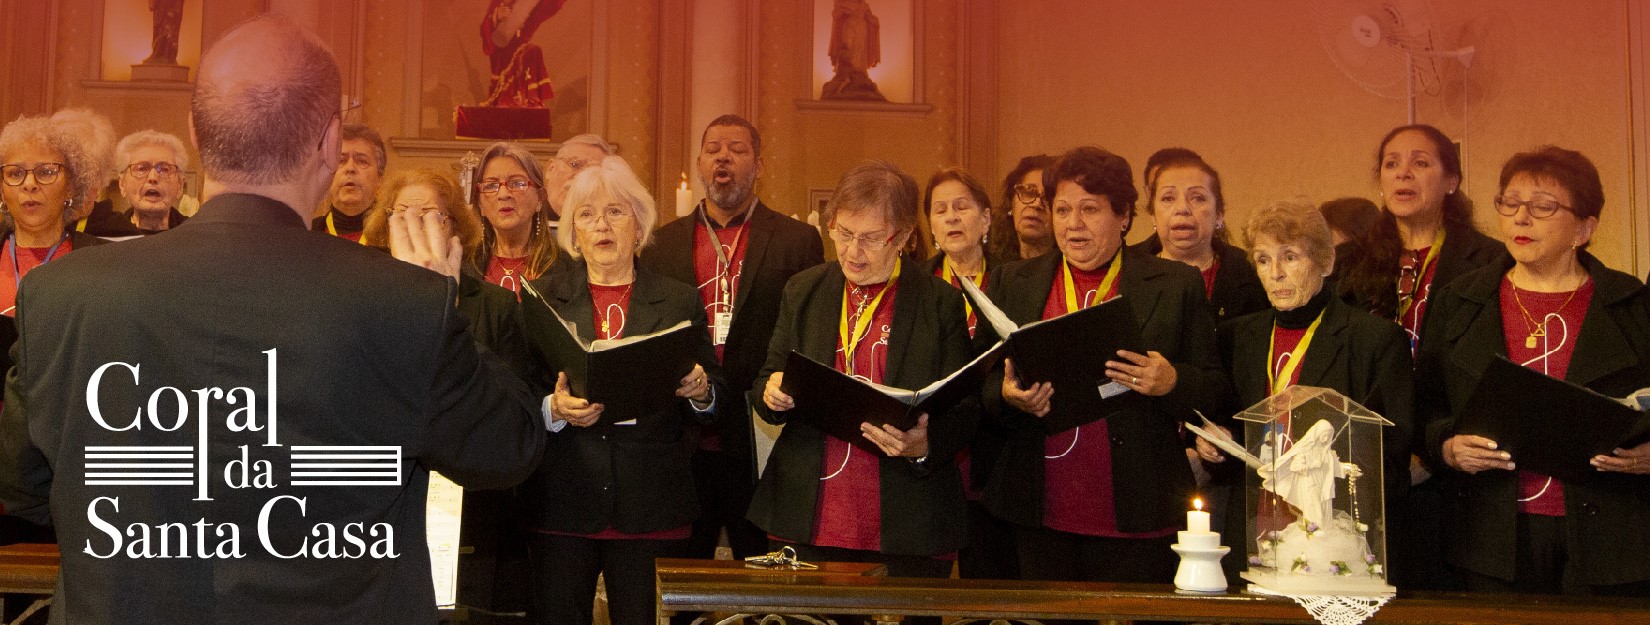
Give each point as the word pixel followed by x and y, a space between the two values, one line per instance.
pixel 1137 380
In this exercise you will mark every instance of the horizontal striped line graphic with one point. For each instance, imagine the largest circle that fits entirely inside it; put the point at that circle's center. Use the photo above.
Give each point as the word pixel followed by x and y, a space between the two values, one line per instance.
pixel 345 473
pixel 141 475
pixel 138 448
pixel 139 456
pixel 140 482
pixel 139 465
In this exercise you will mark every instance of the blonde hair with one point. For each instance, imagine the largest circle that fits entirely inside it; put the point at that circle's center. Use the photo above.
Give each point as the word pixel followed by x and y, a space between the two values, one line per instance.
pixel 541 248
pixel 1296 222
pixel 614 176
pixel 466 225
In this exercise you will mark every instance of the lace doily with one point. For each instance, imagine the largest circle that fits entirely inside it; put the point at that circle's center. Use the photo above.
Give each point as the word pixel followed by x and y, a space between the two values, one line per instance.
pixel 1340 609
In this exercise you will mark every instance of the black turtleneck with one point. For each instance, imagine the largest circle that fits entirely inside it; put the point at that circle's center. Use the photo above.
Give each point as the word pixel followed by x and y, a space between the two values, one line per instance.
pixel 1304 314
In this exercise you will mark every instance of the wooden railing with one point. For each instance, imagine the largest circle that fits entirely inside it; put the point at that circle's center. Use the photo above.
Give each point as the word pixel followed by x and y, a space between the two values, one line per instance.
pixel 31 570
pixel 735 594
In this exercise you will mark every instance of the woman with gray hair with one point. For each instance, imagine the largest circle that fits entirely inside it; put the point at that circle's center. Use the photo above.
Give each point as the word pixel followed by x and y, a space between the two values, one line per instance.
pixel 48 176
pixel 614 491
pixel 517 244
pixel 151 179
pixel 1310 337
pixel 887 496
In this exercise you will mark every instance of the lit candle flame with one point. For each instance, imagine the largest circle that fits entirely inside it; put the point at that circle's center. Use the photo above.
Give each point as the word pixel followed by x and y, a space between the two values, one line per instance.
pixel 684 181
pixel 1197 503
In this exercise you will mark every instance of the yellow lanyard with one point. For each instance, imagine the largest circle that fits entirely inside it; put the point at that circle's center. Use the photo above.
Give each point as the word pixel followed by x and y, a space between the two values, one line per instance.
pixel 332 230
pixel 1407 300
pixel 979 281
pixel 1105 284
pixel 1280 381
pixel 850 343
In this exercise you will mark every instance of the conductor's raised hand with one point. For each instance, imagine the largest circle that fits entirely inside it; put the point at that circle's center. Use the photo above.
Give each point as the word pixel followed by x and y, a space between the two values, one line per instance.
pixel 912 443
pixel 776 399
pixel 574 410
pixel 1033 400
pixel 423 240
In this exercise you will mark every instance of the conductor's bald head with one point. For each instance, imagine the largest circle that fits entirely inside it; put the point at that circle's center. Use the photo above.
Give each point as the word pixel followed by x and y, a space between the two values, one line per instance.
pixel 264 97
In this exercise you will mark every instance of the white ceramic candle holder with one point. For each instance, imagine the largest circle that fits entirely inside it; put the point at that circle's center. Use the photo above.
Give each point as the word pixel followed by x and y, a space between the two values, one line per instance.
pixel 1200 564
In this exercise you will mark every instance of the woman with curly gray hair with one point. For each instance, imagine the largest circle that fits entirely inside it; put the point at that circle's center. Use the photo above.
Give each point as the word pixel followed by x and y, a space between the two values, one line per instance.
pixel 48 176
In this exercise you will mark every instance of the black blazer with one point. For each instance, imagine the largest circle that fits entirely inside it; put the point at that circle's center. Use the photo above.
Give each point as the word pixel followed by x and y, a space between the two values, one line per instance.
pixel 1237 291
pixel 1150 476
pixel 777 248
pixel 633 478
pixel 370 352
pixel 1606 516
pixel 1357 354
pixel 922 506
pixel 1464 250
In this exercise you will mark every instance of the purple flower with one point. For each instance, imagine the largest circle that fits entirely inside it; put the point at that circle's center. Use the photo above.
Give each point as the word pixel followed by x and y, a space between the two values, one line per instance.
pixel 1369 558
pixel 1334 569
pixel 1254 560
pixel 1311 527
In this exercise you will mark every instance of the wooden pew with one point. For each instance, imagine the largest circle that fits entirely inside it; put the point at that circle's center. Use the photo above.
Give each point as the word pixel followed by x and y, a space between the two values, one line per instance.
pixel 702 586
pixel 29 569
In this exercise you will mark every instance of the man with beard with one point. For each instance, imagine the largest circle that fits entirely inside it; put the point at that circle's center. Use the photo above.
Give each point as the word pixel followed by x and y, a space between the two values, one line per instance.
pixel 355 184
pixel 740 253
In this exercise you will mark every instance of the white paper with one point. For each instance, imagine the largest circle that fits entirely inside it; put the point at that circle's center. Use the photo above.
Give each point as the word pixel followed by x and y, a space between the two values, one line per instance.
pixel 444 505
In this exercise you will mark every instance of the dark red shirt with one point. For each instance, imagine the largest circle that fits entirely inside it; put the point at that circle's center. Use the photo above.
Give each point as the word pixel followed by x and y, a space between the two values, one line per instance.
pixel 1560 314
pixel 1209 278
pixel 973 319
pixel 718 286
pixel 1077 491
pixel 609 304
pixel 508 273
pixel 1284 342
pixel 850 488
pixel 27 258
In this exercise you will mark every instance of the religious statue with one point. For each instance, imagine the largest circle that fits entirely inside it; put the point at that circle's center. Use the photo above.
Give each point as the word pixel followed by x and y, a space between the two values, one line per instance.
pixel 855 48
pixel 168 16
pixel 519 79
pixel 1304 476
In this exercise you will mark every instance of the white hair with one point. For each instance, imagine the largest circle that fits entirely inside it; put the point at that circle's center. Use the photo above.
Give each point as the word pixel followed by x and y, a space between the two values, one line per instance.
pixel 96 136
pixel 590 139
pixel 614 176
pixel 148 138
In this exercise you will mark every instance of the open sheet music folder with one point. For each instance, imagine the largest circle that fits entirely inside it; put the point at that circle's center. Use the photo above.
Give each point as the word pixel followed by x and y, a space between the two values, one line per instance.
pixel 633 376
pixel 836 403
pixel 1070 351
pixel 1550 426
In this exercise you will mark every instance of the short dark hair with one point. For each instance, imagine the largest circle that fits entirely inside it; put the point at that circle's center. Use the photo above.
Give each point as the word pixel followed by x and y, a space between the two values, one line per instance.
pixel 260 132
pixel 1098 172
pixel 1035 162
pixel 1157 161
pixel 738 122
pixel 1569 168
pixel 1188 160
pixel 366 133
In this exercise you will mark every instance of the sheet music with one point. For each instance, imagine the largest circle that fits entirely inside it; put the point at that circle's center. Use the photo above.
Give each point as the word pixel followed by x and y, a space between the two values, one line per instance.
pixel 444 506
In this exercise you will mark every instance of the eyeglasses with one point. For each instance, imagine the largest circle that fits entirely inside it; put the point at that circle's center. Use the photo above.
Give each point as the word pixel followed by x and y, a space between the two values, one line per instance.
pixel 418 211
pixel 612 214
pixel 44 173
pixel 515 185
pixel 1539 209
pixel 1028 193
pixel 354 103
pixel 141 170
pixel 869 242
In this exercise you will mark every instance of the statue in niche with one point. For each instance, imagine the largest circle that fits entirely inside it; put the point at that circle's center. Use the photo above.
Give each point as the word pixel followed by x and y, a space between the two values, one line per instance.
pixel 855 48
pixel 168 18
pixel 519 79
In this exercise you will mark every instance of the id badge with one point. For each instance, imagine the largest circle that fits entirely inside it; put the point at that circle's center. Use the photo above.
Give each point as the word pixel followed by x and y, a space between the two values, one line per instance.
pixel 724 321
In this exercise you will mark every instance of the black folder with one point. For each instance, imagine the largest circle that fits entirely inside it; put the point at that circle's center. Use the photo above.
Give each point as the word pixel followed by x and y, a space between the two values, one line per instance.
pixel 631 377
pixel 1070 351
pixel 836 403
pixel 1550 426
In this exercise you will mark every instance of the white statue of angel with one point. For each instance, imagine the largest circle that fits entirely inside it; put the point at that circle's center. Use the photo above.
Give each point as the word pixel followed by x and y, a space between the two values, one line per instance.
pixel 1304 476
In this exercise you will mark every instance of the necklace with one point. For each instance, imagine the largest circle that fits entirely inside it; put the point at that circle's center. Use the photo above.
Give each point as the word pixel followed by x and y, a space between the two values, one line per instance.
pixel 1538 329
pixel 607 316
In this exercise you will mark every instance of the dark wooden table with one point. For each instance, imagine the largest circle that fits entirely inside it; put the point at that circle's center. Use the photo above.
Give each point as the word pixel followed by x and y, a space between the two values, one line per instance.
pixel 703 586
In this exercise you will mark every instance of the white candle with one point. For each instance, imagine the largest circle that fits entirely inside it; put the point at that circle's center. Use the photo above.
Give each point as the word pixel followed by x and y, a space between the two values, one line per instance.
pixel 684 198
pixel 1197 520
